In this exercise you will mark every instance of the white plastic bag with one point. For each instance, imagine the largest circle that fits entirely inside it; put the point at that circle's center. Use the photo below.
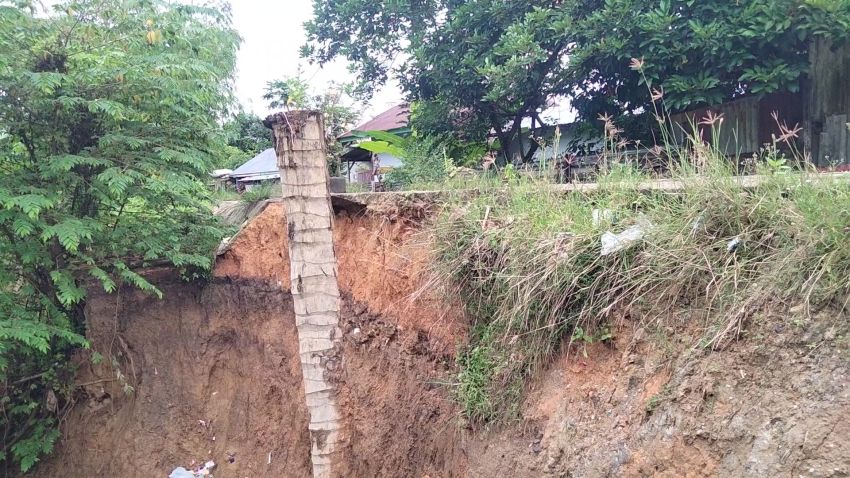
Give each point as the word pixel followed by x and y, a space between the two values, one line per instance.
pixel 612 243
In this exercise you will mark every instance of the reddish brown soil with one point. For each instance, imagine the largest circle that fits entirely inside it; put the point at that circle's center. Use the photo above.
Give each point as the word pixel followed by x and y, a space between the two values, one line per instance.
pixel 401 422
pixel 651 406
pixel 380 263
pixel 225 354
pixel 647 404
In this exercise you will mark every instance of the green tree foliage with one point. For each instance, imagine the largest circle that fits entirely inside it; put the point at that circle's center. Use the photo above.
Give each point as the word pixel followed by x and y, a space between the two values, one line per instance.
pixel 426 161
pixel 473 66
pixel 482 65
pixel 694 53
pixel 247 132
pixel 108 125
pixel 336 103
pixel 246 137
pixel 288 92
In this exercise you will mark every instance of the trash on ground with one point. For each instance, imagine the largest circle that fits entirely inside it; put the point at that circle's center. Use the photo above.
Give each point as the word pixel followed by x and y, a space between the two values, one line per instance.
pixel 181 472
pixel 205 470
pixel 612 243
pixel 697 224
pixel 732 246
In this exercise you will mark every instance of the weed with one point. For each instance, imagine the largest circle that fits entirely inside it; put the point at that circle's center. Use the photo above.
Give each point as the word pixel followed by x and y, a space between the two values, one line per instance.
pixel 355 187
pixel 581 335
pixel 220 195
pixel 526 259
pixel 657 399
pixel 260 192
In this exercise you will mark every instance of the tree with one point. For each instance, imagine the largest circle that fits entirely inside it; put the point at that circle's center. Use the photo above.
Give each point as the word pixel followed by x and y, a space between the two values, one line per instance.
pixel 336 104
pixel 108 126
pixel 477 66
pixel 247 132
pixel 692 53
pixel 246 137
pixel 473 66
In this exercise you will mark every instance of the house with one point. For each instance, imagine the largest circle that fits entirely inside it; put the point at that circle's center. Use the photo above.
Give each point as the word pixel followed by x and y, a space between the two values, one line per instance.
pixel 748 122
pixel 359 165
pixel 821 108
pixel 572 140
pixel 220 178
pixel 262 168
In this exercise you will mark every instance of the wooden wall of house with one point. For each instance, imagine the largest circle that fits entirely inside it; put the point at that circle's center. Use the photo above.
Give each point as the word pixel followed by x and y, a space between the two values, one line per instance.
pixel 827 104
pixel 822 109
pixel 748 123
pixel 737 134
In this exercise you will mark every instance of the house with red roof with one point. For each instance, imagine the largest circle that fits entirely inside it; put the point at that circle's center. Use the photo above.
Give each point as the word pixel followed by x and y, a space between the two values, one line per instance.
pixel 366 167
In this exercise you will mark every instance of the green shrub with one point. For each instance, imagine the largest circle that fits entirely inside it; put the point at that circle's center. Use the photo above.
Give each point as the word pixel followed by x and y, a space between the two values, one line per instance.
pixel 108 130
pixel 425 162
pixel 261 192
pixel 355 187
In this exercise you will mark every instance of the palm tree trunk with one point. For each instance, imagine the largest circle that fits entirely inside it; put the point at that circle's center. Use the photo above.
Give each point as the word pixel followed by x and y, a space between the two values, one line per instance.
pixel 300 145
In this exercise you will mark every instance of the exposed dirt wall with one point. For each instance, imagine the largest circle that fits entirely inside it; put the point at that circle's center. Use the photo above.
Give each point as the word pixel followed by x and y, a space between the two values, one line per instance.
pixel 381 263
pixel 214 371
pixel 401 422
pixel 650 405
pixel 215 375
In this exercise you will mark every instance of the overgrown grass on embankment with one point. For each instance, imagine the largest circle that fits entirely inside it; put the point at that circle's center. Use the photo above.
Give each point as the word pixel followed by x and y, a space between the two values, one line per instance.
pixel 526 260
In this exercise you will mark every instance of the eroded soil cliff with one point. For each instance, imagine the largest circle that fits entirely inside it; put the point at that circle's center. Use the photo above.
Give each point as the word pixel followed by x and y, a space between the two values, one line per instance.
pixel 214 375
pixel 649 404
pixel 214 371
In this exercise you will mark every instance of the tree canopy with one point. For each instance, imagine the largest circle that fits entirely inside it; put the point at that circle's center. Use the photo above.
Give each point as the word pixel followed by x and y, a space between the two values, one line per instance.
pixel 694 53
pixel 336 102
pixel 109 115
pixel 247 132
pixel 246 136
pixel 477 66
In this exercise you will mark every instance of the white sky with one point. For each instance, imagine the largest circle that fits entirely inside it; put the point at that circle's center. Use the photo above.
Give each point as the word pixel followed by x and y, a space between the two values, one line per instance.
pixel 272 33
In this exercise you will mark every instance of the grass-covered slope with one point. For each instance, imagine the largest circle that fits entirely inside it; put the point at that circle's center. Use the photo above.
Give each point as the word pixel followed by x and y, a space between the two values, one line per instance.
pixel 526 258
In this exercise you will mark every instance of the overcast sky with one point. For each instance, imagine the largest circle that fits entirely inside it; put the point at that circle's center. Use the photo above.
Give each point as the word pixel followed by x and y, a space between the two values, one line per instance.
pixel 272 33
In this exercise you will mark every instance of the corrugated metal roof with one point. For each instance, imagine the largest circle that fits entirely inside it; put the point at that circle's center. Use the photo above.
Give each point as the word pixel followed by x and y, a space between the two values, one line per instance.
pixel 259 177
pixel 263 163
pixel 394 118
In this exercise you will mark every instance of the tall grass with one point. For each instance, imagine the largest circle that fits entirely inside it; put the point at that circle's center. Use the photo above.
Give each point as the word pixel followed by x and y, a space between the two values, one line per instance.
pixel 526 260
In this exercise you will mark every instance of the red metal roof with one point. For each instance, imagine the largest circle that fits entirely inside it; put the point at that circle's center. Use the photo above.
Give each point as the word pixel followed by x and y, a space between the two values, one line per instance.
pixel 394 118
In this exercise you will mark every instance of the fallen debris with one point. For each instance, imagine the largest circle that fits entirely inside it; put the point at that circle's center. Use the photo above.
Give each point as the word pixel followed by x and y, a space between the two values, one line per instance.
pixel 612 243
pixel 205 470
pixel 732 246
pixel 602 215
pixel 181 472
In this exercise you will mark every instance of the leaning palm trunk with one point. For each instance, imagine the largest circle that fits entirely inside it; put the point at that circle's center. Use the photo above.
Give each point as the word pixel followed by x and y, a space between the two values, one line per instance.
pixel 300 146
